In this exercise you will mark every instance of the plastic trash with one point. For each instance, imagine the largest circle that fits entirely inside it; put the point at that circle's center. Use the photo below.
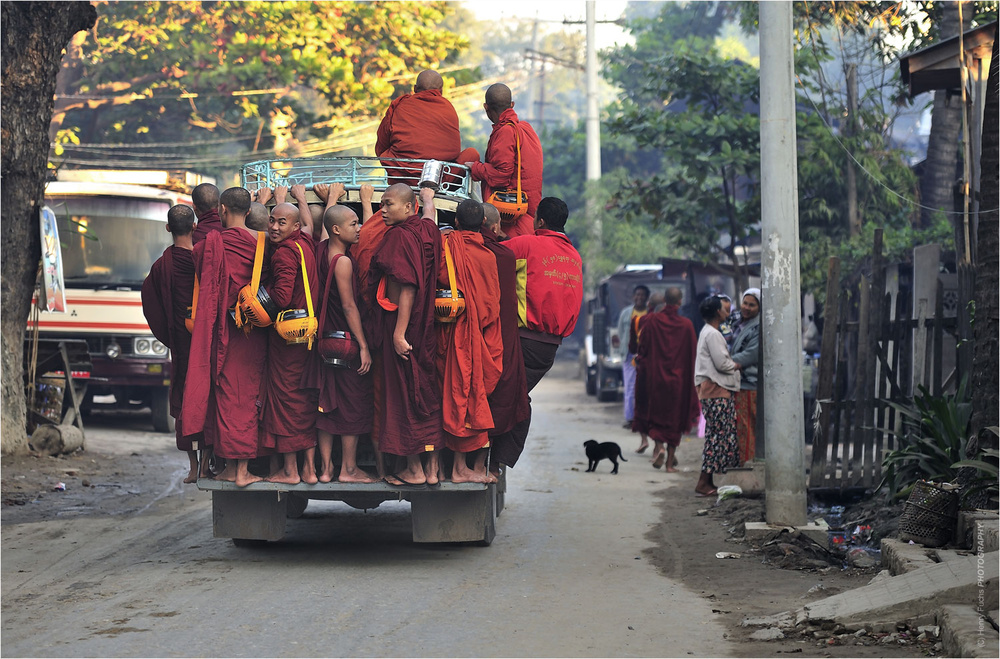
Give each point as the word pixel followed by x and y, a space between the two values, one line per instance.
pixel 729 491
pixel 727 554
pixel 60 487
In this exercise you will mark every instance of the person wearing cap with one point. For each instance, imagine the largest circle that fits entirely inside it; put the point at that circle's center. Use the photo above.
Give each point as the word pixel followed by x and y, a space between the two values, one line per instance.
pixel 745 351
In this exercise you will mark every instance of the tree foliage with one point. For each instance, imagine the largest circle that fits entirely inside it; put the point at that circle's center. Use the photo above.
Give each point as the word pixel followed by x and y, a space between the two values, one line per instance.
pixel 153 72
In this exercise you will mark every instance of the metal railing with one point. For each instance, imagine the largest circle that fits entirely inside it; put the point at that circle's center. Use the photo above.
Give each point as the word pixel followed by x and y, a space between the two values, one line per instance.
pixel 352 171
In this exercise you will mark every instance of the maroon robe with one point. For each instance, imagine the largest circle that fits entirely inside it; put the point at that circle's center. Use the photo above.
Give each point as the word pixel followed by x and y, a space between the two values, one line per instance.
pixel 207 222
pixel 166 295
pixel 509 400
pixel 410 254
pixel 289 408
pixel 226 365
pixel 666 402
pixel 345 397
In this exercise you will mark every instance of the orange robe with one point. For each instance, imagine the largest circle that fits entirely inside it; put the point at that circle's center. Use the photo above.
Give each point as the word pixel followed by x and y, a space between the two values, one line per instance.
pixel 470 350
pixel 372 234
pixel 423 125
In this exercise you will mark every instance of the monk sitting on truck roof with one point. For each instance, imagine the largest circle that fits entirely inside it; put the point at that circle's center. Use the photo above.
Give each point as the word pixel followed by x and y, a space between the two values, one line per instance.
pixel 405 268
pixel 289 409
pixel 166 294
pixel 345 394
pixel 470 349
pixel 420 126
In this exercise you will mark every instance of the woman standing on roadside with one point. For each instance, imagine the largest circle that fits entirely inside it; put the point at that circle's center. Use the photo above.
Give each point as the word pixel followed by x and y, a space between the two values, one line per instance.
pixel 746 353
pixel 717 378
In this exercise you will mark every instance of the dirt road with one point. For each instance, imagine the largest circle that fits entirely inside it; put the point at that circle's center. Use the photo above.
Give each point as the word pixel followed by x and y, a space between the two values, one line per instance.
pixel 123 563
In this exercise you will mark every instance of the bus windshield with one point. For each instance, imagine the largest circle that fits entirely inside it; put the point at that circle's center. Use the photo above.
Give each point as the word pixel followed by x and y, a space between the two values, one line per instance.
pixel 109 242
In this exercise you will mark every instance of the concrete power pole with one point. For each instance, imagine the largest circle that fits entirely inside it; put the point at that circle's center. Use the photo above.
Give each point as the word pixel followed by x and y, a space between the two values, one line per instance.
pixel 593 140
pixel 781 329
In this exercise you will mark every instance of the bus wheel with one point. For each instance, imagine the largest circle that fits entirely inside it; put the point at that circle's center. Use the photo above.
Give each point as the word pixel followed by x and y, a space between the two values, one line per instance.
pixel 159 403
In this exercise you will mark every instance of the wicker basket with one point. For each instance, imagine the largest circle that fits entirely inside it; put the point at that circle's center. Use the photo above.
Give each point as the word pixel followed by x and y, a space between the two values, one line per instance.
pixel 929 516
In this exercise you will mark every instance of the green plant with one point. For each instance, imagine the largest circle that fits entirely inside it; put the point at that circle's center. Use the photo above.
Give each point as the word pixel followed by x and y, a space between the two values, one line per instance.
pixel 933 440
pixel 987 472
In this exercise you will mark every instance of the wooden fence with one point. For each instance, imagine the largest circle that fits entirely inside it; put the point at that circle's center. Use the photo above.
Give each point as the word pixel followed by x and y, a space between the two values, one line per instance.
pixel 872 345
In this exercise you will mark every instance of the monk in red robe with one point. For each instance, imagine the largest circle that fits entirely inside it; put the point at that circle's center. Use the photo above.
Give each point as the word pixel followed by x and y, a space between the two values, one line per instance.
pixel 205 198
pixel 225 369
pixel 370 237
pixel 405 269
pixel 666 402
pixel 166 295
pixel 470 349
pixel 509 401
pixel 420 126
pixel 345 394
pixel 499 170
pixel 289 407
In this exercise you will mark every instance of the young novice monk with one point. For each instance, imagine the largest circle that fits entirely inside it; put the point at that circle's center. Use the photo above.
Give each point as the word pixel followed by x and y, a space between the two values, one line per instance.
pixel 345 394
pixel 290 408
pixel 166 294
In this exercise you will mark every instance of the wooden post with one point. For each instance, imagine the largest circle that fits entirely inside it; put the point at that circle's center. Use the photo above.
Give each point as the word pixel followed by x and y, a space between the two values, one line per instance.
pixel 938 381
pixel 827 369
pixel 840 388
pixel 874 338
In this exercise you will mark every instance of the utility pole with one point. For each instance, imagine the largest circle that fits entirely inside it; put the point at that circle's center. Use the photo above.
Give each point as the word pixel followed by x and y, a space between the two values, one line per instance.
pixel 532 81
pixel 593 144
pixel 781 317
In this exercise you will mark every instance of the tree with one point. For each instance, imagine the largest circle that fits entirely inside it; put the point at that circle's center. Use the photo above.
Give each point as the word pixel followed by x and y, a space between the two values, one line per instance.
pixel 985 394
pixel 699 110
pixel 34 35
pixel 219 77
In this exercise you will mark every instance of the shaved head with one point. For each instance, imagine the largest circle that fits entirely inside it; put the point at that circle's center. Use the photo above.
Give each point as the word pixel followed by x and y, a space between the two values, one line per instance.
pixel 428 79
pixel 491 216
pixel 401 192
pixel 287 211
pixel 337 216
pixel 673 296
pixel 257 219
pixel 498 97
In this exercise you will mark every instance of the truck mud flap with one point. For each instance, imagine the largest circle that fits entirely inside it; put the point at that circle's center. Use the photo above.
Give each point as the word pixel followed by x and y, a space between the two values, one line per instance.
pixel 249 515
pixel 454 516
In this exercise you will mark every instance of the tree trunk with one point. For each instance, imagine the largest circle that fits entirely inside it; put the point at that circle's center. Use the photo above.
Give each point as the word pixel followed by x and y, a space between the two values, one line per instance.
pixel 938 181
pixel 985 391
pixel 34 34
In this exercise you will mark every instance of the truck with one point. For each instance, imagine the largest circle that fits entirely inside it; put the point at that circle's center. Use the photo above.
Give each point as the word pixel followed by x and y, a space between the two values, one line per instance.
pixel 452 512
pixel 112 227
pixel 604 348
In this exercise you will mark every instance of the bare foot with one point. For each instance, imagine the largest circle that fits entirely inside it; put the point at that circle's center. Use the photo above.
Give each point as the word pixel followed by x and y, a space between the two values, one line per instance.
pixel 642 447
pixel 309 476
pixel 326 473
pixel 671 470
pixel 228 474
pixel 244 480
pixel 192 476
pixel 355 476
pixel 281 477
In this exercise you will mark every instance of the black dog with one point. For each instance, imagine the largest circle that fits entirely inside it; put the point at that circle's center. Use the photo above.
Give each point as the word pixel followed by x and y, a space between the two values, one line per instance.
pixel 597 452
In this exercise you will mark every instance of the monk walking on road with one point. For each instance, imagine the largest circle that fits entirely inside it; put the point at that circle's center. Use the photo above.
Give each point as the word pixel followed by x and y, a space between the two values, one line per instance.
pixel 470 349
pixel 666 403
pixel 406 267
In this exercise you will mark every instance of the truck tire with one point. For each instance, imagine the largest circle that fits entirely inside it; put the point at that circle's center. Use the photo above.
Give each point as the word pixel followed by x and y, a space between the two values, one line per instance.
pixel 159 404
pixel 591 384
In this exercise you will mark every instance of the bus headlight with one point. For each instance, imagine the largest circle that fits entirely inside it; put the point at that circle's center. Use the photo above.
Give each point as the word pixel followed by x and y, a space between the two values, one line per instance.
pixel 159 348
pixel 142 347
pixel 113 350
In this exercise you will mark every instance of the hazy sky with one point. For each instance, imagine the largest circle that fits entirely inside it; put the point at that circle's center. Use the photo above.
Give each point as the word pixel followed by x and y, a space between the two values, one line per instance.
pixel 556 10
